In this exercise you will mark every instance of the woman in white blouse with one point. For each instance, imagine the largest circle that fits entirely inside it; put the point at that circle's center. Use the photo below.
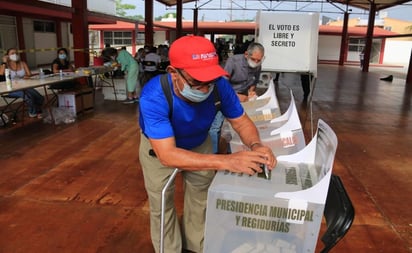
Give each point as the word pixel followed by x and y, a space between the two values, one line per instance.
pixel 19 70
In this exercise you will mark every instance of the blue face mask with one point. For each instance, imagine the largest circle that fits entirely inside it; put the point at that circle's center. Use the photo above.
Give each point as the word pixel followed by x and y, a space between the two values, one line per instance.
pixel 62 56
pixel 196 96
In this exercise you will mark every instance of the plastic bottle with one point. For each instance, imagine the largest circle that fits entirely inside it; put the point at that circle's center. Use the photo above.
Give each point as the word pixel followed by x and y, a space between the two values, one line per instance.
pixel 41 73
pixel 7 74
pixel 61 74
pixel 8 79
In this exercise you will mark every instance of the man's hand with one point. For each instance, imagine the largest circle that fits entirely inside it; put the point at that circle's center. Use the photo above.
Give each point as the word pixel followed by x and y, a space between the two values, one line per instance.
pixel 249 162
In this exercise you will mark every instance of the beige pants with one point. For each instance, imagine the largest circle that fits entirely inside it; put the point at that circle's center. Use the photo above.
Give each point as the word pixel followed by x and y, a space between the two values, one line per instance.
pixel 195 183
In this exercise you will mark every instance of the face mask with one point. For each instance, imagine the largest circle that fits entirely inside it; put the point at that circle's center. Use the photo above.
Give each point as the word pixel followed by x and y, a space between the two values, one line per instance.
pixel 252 64
pixel 194 95
pixel 14 57
pixel 62 56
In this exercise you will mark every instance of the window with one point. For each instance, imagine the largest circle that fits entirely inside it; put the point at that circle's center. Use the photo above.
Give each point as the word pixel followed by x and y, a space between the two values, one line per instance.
pixel 44 26
pixel 118 38
pixel 140 38
pixel 356 45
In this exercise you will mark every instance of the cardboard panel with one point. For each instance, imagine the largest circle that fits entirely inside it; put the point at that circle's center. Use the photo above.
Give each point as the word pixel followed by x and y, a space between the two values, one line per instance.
pixel 77 101
pixel 282 213
pixel 290 41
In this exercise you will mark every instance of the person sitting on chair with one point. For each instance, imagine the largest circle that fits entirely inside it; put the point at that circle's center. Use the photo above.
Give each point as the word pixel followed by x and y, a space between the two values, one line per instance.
pixel 151 64
pixel 62 63
pixel 18 70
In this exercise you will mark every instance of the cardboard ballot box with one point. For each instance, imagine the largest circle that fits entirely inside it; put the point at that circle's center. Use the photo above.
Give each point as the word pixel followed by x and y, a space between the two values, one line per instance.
pixel 284 134
pixel 280 214
pixel 78 100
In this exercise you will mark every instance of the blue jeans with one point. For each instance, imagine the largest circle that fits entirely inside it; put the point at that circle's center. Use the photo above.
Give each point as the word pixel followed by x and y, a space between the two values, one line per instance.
pixel 32 97
pixel 215 130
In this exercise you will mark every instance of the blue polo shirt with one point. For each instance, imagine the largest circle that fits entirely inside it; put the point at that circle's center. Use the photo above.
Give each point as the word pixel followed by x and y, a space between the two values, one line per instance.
pixel 190 122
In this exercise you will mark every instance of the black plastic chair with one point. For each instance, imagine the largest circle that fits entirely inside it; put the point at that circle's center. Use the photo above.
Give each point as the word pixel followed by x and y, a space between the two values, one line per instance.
pixel 339 214
pixel 9 101
pixel 13 105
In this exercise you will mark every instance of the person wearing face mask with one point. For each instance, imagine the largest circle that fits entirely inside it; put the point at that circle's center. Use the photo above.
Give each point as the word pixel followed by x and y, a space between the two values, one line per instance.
pixel 244 70
pixel 62 63
pixel 244 73
pixel 129 65
pixel 19 70
pixel 177 137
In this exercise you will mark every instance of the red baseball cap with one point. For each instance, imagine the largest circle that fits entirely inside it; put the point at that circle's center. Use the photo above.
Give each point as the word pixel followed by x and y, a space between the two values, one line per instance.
pixel 197 56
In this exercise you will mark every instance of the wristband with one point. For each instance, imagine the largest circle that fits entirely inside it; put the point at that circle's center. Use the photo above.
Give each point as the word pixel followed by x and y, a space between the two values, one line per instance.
pixel 254 143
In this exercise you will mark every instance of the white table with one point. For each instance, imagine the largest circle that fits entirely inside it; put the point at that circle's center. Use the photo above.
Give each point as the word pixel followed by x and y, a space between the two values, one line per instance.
pixel 99 80
pixel 37 82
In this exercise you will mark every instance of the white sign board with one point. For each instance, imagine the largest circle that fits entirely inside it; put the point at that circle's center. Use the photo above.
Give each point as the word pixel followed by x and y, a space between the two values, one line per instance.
pixel 290 41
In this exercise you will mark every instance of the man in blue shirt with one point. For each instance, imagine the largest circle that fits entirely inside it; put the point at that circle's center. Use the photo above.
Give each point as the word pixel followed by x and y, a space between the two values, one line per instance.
pixel 178 137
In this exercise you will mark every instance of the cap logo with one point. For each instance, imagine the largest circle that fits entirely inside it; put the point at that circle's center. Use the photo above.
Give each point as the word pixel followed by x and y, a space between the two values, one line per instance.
pixel 205 56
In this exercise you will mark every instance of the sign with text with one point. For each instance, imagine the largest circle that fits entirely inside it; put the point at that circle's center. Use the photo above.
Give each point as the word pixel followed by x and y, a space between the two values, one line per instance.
pixel 290 41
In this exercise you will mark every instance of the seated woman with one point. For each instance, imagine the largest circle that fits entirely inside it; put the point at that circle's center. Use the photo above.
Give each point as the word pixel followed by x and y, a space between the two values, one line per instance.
pixel 62 63
pixel 19 69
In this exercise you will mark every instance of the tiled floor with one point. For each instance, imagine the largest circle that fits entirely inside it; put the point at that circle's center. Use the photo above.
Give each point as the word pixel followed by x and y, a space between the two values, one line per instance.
pixel 79 188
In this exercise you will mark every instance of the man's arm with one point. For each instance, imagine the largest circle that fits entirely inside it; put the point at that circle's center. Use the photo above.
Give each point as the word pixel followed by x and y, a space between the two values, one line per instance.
pixel 247 162
pixel 250 137
pixel 246 129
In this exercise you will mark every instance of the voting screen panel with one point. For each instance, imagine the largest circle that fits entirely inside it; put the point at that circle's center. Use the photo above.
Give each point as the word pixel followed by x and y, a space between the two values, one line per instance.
pixel 290 41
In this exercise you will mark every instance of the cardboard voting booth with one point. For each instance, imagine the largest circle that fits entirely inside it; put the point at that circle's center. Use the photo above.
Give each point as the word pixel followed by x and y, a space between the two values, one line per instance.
pixel 290 41
pixel 291 44
pixel 264 107
pixel 279 214
pixel 264 80
pixel 284 134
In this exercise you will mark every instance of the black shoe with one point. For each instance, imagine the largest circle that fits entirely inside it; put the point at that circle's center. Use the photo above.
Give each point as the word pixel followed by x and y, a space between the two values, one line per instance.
pixel 187 251
pixel 388 78
pixel 128 101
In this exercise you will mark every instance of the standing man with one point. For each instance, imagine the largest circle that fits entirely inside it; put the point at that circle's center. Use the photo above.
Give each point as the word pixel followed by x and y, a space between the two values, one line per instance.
pixel 244 73
pixel 177 137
